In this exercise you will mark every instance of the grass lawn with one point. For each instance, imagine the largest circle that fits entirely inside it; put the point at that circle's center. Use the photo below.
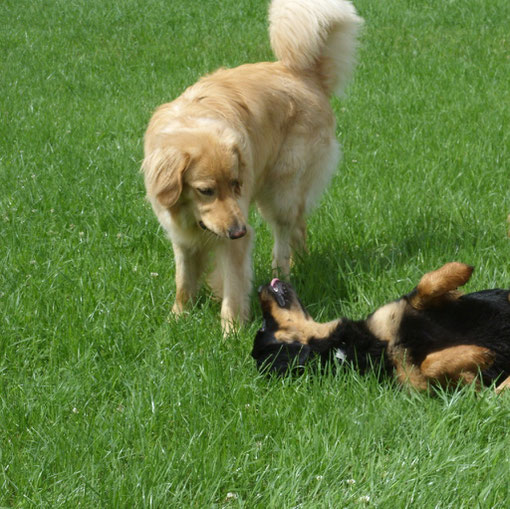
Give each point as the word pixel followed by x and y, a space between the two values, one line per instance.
pixel 105 400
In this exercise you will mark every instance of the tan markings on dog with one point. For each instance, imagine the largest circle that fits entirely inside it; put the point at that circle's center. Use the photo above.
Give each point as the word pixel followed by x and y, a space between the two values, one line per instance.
pixel 440 284
pixel 385 322
pixel 407 372
pixel 303 331
pixel 294 322
pixel 505 385
pixel 460 363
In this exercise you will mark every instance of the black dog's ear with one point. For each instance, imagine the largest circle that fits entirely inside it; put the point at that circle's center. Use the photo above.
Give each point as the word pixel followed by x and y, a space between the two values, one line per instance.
pixel 273 356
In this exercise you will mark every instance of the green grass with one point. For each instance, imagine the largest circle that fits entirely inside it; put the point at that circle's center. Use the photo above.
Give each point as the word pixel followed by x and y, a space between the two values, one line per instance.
pixel 105 401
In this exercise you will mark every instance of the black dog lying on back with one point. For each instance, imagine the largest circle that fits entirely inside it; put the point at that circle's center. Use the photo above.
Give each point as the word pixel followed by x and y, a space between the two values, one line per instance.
pixel 433 335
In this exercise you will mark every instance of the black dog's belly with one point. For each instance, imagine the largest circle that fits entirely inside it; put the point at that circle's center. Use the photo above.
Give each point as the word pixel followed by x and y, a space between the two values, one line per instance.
pixel 496 299
pixel 480 318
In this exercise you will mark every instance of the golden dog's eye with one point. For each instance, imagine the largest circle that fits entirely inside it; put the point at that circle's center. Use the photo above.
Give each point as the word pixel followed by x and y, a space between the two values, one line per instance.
pixel 207 191
pixel 236 185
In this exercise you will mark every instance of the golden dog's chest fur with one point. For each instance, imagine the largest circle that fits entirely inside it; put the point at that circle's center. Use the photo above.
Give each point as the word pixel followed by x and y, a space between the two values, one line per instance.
pixel 262 133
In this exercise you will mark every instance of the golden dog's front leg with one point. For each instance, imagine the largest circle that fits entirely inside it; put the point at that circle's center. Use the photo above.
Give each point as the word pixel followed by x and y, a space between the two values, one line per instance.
pixel 234 265
pixel 189 266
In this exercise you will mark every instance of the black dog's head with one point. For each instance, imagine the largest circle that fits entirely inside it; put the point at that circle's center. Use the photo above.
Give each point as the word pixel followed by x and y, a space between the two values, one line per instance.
pixel 289 337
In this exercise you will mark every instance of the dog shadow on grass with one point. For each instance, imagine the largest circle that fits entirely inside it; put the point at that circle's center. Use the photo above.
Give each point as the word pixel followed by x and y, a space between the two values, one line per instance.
pixel 332 276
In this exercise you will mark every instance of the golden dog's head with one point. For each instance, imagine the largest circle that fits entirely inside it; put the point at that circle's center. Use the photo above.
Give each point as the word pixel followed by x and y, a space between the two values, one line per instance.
pixel 201 172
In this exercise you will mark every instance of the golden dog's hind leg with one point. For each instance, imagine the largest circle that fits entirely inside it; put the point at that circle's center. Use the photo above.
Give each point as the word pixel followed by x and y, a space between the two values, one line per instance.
pixel 298 241
pixel 289 243
pixel 189 266
pixel 281 250
pixel 284 211
pixel 234 266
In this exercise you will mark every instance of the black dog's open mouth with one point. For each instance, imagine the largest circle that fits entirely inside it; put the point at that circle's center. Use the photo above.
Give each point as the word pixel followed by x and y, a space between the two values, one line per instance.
pixel 283 294
pixel 278 289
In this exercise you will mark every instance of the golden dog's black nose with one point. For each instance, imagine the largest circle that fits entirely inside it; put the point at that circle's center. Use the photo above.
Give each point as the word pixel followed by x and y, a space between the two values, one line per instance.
pixel 236 232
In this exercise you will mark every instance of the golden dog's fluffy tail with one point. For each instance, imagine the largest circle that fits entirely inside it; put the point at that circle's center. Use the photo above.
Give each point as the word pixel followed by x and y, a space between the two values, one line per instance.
pixel 316 36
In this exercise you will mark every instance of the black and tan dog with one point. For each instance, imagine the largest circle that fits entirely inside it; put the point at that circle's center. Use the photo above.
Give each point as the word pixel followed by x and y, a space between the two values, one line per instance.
pixel 433 335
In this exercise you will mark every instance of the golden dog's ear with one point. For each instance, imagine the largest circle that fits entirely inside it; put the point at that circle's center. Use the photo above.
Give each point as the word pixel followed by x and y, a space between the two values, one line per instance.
pixel 440 283
pixel 237 151
pixel 163 169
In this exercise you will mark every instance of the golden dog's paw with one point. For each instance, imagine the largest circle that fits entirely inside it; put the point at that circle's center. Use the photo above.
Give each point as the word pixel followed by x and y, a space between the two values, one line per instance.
pixel 178 309
pixel 231 322
pixel 177 312
pixel 229 327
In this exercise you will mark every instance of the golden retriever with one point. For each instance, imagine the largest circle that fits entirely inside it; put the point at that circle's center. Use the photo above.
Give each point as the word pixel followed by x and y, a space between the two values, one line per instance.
pixel 262 133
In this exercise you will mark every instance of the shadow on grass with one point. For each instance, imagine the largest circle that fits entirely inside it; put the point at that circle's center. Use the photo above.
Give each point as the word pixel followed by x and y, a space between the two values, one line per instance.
pixel 332 271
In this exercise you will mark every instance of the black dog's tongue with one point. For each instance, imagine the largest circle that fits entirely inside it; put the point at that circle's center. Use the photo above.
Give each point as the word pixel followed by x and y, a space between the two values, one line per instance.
pixel 278 291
